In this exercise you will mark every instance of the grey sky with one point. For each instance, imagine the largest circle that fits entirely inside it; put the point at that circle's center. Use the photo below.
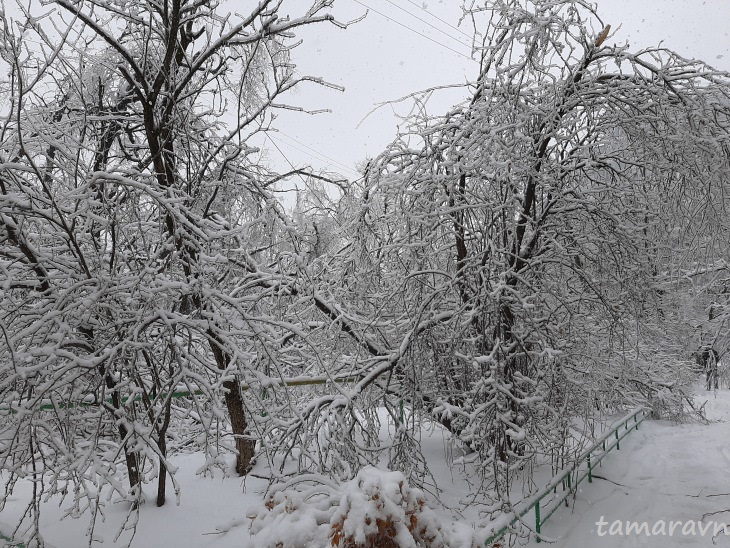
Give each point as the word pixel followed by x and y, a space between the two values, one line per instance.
pixel 391 53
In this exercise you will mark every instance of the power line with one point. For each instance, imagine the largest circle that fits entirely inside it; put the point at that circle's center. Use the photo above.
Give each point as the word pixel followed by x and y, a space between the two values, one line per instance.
pixel 342 166
pixel 321 155
pixel 457 29
pixel 451 36
pixel 414 31
pixel 267 136
pixel 303 152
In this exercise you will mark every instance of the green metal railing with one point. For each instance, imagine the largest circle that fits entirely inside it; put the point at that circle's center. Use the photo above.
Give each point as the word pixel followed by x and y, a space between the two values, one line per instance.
pixel 10 543
pixel 571 477
pixel 295 381
pixel 606 442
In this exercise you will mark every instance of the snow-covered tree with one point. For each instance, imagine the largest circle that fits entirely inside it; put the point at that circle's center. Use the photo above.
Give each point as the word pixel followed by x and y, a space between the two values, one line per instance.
pixel 522 239
pixel 500 269
pixel 137 223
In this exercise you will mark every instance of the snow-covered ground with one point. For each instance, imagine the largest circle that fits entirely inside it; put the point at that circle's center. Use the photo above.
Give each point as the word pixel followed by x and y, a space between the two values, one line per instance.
pixel 663 473
pixel 211 513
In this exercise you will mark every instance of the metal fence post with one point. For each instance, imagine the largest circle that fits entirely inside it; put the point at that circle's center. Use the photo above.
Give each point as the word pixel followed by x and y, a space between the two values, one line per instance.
pixel 264 395
pixel 566 479
pixel 590 469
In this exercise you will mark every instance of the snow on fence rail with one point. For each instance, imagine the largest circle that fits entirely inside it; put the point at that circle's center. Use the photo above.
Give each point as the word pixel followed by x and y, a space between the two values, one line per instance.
pixel 90 400
pixel 606 442
pixel 10 543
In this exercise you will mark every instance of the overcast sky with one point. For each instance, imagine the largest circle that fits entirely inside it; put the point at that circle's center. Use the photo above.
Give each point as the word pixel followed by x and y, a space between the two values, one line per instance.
pixel 404 46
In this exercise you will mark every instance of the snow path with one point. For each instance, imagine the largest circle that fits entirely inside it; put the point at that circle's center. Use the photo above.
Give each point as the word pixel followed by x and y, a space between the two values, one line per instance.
pixel 663 472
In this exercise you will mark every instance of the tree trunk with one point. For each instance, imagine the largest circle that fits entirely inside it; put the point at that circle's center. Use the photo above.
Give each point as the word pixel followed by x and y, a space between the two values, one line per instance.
pixel 131 458
pixel 234 403
pixel 244 445
pixel 162 444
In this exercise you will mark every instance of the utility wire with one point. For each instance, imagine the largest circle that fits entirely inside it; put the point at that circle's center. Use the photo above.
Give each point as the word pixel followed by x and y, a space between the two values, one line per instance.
pixel 300 175
pixel 322 156
pixel 457 29
pixel 451 36
pixel 267 136
pixel 289 161
pixel 414 31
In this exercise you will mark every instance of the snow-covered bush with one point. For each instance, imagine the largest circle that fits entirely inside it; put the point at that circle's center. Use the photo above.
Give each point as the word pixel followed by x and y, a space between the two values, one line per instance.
pixel 376 508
